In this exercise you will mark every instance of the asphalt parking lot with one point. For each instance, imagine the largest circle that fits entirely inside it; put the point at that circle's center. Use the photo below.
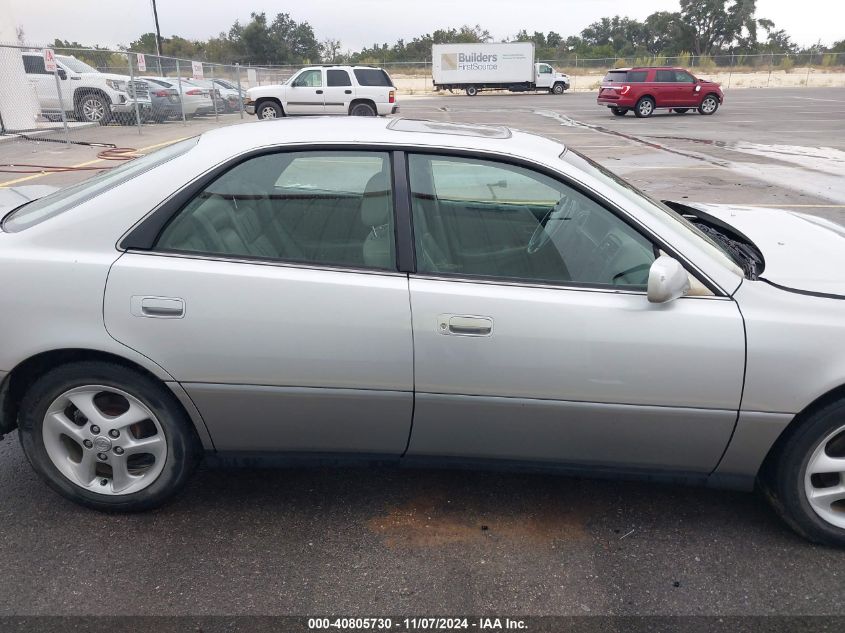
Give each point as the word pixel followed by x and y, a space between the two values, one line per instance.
pixel 371 541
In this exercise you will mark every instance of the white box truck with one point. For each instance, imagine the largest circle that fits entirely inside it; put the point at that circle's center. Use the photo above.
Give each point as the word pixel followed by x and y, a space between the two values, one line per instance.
pixel 507 66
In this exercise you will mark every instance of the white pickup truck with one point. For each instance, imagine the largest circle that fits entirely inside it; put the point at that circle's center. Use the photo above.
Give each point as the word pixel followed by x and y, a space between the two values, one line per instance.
pixel 350 90
pixel 86 93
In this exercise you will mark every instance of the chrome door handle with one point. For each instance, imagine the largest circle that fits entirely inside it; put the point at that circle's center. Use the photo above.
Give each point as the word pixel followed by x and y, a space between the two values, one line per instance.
pixel 157 307
pixel 465 325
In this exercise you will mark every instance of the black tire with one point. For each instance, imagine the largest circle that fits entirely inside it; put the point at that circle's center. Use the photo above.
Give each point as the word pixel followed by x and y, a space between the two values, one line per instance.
pixel 783 476
pixel 471 91
pixel 644 108
pixel 709 105
pixel 618 111
pixel 558 89
pixel 183 446
pixel 93 107
pixel 681 110
pixel 362 109
pixel 268 110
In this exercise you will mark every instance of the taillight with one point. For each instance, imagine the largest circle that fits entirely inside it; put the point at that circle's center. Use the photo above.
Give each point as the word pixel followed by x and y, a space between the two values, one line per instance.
pixel 391 98
pixel 625 90
pixel 161 93
pixel 194 92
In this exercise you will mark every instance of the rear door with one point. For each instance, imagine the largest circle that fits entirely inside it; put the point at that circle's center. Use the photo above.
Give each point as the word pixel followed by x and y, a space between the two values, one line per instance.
pixel 665 89
pixel 42 82
pixel 273 297
pixel 305 95
pixel 338 91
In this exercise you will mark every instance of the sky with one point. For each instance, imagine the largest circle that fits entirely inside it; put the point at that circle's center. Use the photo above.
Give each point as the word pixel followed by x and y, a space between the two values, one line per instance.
pixel 365 22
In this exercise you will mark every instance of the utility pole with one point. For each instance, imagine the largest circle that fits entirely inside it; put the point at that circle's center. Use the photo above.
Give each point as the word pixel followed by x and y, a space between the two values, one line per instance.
pixel 158 30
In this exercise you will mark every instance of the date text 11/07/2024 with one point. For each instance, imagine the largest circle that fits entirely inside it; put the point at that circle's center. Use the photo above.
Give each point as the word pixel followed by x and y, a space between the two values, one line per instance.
pixel 417 624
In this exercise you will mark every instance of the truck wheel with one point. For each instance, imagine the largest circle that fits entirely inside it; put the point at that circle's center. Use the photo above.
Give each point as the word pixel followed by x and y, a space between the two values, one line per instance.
pixel 268 110
pixel 644 108
pixel 471 91
pixel 93 108
pixel 618 111
pixel 558 89
pixel 362 109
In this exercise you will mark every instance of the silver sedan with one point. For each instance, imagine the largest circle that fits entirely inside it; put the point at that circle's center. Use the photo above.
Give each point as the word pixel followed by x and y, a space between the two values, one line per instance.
pixel 417 292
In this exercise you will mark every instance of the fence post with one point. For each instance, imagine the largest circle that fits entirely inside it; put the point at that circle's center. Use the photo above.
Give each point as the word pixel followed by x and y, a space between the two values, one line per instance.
pixel 809 64
pixel 240 95
pixel 61 104
pixel 181 98
pixel 731 70
pixel 214 92
pixel 771 65
pixel 134 92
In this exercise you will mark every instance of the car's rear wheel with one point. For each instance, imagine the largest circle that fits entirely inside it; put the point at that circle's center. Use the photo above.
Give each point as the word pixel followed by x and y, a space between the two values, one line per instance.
pixel 681 110
pixel 107 436
pixel 362 109
pixel 268 110
pixel 619 111
pixel 644 108
pixel 805 478
pixel 709 105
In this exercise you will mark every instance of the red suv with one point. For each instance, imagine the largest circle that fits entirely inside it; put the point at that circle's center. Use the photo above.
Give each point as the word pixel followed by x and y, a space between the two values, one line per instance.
pixel 645 89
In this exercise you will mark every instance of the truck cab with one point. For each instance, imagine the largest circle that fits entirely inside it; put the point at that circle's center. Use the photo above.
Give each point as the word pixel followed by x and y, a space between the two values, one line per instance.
pixel 547 77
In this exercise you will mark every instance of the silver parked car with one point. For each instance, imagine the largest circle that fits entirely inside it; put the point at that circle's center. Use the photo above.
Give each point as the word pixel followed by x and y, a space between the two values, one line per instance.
pixel 414 291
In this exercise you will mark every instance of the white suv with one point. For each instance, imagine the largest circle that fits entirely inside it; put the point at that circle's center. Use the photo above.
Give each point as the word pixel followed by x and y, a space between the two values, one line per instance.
pixel 352 90
pixel 86 93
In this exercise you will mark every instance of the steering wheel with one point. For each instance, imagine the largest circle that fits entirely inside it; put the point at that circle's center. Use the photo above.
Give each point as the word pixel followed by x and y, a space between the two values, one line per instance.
pixel 541 236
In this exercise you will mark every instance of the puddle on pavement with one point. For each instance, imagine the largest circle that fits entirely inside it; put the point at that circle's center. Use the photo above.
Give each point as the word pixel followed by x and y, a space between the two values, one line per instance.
pixel 435 520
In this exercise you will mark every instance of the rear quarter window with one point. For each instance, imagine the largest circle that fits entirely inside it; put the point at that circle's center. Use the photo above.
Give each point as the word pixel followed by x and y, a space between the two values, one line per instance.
pixel 373 77
pixel 637 76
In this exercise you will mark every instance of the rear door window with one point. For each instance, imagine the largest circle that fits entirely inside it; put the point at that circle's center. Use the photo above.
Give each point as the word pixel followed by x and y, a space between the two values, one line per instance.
pixel 34 65
pixel 337 78
pixel 637 76
pixel 665 76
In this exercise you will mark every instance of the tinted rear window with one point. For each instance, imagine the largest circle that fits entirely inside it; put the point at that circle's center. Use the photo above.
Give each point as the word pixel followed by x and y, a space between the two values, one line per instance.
pixel 637 76
pixel 617 76
pixel 372 77
pixel 337 78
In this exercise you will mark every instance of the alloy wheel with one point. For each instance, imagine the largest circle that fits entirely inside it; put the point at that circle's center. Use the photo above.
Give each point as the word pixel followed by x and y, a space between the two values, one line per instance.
pixel 824 478
pixel 708 106
pixel 104 440
pixel 268 112
pixel 93 110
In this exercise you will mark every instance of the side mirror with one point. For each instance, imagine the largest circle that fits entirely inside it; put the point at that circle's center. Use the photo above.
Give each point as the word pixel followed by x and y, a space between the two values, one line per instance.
pixel 667 280
pixel 62 73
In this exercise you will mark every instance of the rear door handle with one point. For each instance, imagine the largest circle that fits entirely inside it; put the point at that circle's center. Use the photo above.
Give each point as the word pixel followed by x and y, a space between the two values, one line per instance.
pixel 348 92
pixel 319 92
pixel 157 307
pixel 465 325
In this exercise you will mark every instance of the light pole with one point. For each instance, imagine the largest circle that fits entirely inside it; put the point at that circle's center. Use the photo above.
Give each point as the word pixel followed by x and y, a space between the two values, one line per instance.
pixel 158 30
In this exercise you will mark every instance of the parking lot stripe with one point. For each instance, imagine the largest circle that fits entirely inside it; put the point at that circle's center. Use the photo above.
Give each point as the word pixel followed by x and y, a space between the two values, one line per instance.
pixel 8 183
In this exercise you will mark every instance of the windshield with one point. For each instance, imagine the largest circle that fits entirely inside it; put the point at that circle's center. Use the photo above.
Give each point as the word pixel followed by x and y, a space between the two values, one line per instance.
pixel 643 200
pixel 75 65
pixel 36 211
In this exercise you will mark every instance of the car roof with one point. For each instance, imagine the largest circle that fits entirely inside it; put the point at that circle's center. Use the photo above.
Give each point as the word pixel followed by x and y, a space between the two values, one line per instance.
pixel 334 130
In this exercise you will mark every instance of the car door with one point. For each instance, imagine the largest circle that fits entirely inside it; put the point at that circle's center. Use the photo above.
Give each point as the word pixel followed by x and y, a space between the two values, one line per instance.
pixel 306 93
pixel 273 297
pixel 687 90
pixel 545 75
pixel 665 88
pixel 534 339
pixel 42 82
pixel 338 91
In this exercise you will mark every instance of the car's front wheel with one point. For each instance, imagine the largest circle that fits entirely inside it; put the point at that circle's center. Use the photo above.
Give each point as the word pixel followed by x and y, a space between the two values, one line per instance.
pixel 107 436
pixel 268 110
pixel 805 478
pixel 709 105
pixel 644 108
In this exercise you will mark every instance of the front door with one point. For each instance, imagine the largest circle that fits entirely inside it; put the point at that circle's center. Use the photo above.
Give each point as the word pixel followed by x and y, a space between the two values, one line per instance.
pixel 534 339
pixel 687 90
pixel 273 298
pixel 306 93
pixel 545 75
